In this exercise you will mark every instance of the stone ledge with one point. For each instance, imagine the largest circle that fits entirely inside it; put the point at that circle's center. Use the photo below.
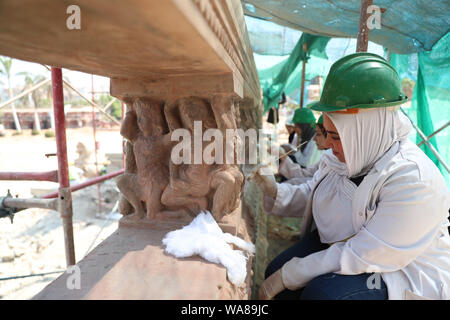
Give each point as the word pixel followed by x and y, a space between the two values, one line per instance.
pixel 131 264
pixel 230 223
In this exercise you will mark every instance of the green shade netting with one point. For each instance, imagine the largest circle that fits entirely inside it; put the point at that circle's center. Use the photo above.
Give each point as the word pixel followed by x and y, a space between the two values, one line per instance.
pixel 285 76
pixel 406 26
pixel 430 105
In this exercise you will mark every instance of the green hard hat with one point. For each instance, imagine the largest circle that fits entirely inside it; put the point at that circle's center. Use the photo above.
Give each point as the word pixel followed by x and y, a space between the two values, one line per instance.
pixel 360 80
pixel 303 115
pixel 320 120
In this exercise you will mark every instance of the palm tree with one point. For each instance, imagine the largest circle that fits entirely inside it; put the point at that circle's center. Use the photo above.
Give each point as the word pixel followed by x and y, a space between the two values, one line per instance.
pixel 34 96
pixel 6 72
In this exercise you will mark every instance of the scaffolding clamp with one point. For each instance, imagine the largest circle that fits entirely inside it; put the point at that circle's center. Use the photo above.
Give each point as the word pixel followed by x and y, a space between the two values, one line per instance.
pixel 7 211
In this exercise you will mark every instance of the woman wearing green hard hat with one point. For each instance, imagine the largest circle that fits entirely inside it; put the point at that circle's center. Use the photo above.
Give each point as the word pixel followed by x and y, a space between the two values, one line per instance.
pixel 378 231
pixel 321 135
pixel 308 154
pixel 290 128
pixel 292 171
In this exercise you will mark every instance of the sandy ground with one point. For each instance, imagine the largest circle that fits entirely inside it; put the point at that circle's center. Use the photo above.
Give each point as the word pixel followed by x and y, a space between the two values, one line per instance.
pixel 34 243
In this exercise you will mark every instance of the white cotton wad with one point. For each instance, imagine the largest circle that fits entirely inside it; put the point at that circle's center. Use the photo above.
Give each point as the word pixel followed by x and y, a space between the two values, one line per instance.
pixel 205 238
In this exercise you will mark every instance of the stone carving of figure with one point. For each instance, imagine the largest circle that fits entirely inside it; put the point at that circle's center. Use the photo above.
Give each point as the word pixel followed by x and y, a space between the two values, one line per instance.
pixel 145 127
pixel 200 186
pixel 86 160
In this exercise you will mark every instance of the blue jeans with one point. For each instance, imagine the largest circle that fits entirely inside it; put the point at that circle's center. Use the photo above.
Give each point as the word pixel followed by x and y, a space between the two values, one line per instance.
pixel 329 286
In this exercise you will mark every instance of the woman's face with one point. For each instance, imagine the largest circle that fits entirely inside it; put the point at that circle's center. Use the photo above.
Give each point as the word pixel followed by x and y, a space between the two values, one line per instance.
pixel 298 130
pixel 320 139
pixel 333 140
pixel 290 128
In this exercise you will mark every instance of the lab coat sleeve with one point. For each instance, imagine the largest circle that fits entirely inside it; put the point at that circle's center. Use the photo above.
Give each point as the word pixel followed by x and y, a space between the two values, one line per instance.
pixel 310 155
pixel 302 158
pixel 404 223
pixel 290 170
pixel 291 200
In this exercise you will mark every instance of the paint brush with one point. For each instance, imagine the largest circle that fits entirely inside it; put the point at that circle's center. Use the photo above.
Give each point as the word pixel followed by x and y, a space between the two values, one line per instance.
pixel 259 166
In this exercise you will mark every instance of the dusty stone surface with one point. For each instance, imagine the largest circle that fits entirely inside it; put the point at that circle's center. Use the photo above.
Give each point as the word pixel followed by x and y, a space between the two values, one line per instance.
pixel 131 264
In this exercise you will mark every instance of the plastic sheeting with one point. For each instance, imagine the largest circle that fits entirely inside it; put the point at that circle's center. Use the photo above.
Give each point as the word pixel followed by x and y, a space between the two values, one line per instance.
pixel 417 28
pixel 407 26
pixel 286 75
pixel 430 105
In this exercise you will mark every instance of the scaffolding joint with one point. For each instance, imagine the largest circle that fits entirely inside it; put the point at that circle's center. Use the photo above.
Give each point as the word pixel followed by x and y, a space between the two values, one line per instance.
pixel 7 211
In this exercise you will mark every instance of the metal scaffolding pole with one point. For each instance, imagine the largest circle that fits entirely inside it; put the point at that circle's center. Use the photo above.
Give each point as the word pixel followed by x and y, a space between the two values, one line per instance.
pixel 363 30
pixel 28 91
pixel 35 176
pixel 302 87
pixel 435 133
pixel 102 110
pixel 123 140
pixel 429 145
pixel 87 183
pixel 95 145
pixel 65 196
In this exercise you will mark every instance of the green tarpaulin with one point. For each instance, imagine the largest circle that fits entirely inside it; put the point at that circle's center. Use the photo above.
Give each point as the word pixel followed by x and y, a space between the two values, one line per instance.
pixel 286 75
pixel 430 105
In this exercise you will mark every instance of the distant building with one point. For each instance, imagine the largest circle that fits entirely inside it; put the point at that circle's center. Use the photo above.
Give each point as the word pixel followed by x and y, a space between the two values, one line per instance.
pixel 76 117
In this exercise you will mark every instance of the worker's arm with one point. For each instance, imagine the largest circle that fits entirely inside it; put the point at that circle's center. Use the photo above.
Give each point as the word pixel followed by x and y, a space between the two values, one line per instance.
pixel 284 199
pixel 404 223
pixel 290 170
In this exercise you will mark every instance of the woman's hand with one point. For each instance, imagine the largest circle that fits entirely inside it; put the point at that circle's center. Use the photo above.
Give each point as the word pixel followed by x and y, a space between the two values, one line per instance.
pixel 272 286
pixel 266 182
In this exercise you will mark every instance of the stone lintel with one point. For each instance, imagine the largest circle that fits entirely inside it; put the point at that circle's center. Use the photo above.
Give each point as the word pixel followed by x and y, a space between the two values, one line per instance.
pixel 173 87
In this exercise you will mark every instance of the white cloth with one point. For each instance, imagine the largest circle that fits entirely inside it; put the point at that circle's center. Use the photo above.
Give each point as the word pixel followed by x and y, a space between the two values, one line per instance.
pixel 399 212
pixel 204 237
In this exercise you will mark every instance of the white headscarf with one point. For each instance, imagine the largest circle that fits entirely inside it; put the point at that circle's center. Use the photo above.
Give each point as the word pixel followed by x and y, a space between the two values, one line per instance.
pixel 330 160
pixel 367 135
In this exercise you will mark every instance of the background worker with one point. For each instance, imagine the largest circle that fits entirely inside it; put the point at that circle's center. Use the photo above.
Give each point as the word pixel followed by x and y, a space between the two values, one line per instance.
pixel 292 171
pixel 290 127
pixel 308 154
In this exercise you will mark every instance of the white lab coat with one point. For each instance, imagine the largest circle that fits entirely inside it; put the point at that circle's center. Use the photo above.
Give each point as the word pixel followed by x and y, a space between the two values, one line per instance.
pixel 295 173
pixel 399 218
pixel 309 156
